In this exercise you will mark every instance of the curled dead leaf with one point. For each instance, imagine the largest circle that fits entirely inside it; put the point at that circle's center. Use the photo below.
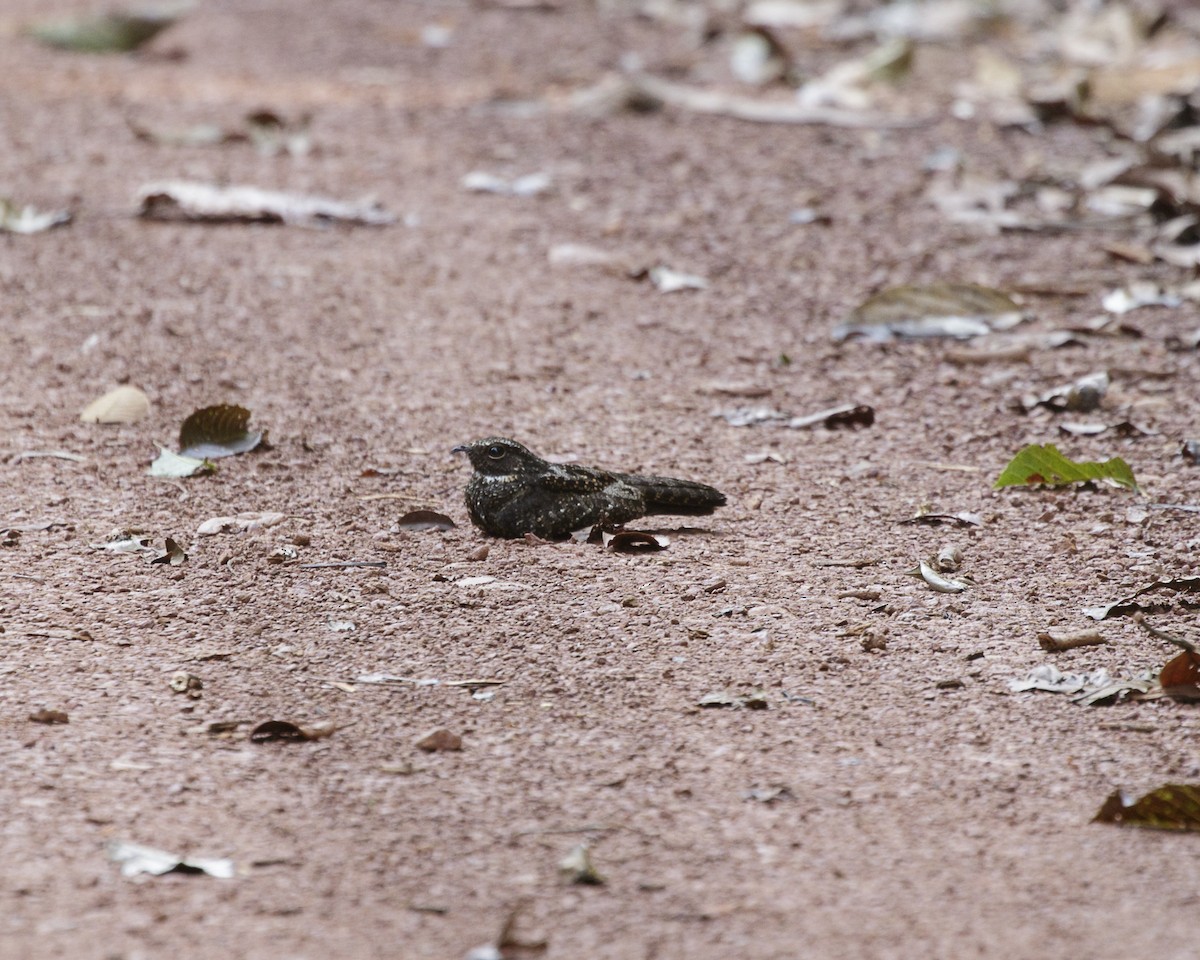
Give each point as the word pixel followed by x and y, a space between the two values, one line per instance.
pixel 49 716
pixel 288 732
pixel 577 867
pixel 425 520
pixel 124 404
pixel 439 740
pixel 635 541
pixel 211 433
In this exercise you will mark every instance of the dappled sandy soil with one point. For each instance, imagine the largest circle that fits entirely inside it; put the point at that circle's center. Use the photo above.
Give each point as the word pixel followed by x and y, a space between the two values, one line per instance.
pixel 893 803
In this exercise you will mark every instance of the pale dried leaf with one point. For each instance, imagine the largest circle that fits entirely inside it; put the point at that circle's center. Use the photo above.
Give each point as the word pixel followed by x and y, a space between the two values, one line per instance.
pixel 191 200
pixel 124 404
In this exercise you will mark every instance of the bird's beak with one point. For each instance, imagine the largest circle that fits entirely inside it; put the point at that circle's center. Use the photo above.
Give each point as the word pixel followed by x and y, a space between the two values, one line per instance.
pixel 461 448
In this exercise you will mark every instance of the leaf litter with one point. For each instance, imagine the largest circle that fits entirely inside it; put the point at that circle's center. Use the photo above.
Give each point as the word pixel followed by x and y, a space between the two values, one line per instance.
pixel 285 731
pixel 208 434
pixel 29 220
pixel 136 859
pixel 118 31
pixel 218 431
pixel 124 404
pixel 958 310
pixel 191 200
pixel 419 520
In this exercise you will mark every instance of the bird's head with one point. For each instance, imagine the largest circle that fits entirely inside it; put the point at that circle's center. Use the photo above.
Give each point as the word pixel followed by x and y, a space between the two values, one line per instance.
pixel 498 456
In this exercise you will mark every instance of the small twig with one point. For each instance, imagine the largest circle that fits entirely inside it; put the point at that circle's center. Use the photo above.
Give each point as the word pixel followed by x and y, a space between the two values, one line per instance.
pixel 1130 727
pixel 1089 638
pixel 591 828
pixel 1187 645
pixel 27 576
pixel 344 564
pixel 1186 507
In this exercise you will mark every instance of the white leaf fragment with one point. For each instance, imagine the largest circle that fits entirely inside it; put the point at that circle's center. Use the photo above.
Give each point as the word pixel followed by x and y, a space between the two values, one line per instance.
pixel 240 523
pixel 27 220
pixel 530 185
pixel 136 859
pixel 668 280
pixel 191 200
pixel 171 465
pixel 1141 294
pixel 937 582
pixel 1049 678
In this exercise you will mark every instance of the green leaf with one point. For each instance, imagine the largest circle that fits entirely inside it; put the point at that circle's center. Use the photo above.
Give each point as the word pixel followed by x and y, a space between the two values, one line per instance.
pixel 106 33
pixel 936 310
pixel 1038 463
pixel 1173 806
pixel 173 466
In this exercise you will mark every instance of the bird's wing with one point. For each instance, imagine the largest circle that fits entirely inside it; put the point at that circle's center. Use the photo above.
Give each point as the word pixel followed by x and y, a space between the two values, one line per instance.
pixel 568 478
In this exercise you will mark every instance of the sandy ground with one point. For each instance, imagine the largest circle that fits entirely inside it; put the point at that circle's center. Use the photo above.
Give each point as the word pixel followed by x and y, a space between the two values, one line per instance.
pixel 926 810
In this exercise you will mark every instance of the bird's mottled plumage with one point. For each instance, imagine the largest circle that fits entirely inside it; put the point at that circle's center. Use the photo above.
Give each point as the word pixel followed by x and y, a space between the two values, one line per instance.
pixel 513 492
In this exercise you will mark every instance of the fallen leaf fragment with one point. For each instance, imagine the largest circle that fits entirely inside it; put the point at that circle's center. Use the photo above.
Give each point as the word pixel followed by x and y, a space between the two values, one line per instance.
pixel 211 433
pixel 1087 689
pixel 644 89
pixel 241 523
pixel 936 581
pixel 1049 678
pixel 27 220
pixel 124 544
pixel 577 867
pixel 755 700
pixel 285 731
pixel 1180 676
pixel 50 454
pixel 174 555
pixel 116 32
pixel 948 558
pixel 417 520
pixel 771 794
pixel 635 541
pixel 750 416
pixel 49 716
pixel 835 418
pixel 581 255
pixel 1080 396
pixel 1043 464
pixel 963 519
pixel 1173 806
pixel 439 740
pixel 136 859
pixel 757 57
pixel 125 404
pixel 183 682
pixel 530 185
pixel 937 310
pixel 1140 294
pixel 1133 603
pixel 667 280
pixel 508 945
pixel 171 466
pixel 189 200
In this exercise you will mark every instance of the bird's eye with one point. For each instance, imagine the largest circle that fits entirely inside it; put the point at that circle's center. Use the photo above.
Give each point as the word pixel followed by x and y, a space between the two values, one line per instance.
pixel 495 452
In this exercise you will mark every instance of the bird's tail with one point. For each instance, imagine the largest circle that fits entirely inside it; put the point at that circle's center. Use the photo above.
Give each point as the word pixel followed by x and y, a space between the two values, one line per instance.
pixel 668 495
